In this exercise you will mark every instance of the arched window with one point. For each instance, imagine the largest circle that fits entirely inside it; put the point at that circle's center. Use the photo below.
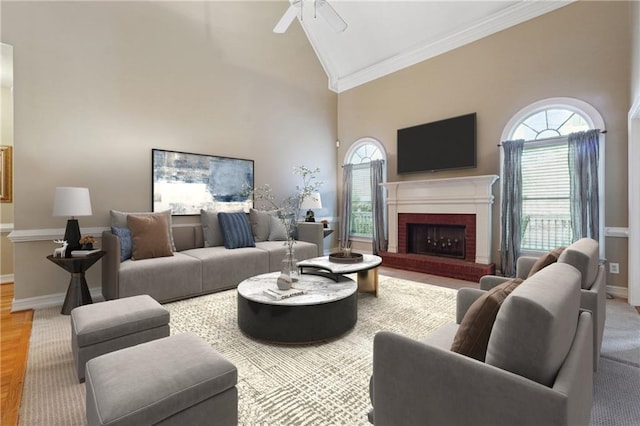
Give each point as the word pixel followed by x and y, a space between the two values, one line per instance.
pixel 545 126
pixel 360 154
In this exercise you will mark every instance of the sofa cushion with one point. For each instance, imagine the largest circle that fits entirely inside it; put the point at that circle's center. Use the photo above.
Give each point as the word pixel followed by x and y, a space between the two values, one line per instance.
pixel 211 228
pixel 236 230
pixel 119 220
pixel 149 236
pixel 124 235
pixel 163 278
pixel 584 255
pixel 277 230
pixel 472 336
pixel 546 260
pixel 535 326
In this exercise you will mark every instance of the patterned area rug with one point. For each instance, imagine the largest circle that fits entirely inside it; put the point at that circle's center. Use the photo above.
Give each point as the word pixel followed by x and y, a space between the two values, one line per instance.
pixel 318 384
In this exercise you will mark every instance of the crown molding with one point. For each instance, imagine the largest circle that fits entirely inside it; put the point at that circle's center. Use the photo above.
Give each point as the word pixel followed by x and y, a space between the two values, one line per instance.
pixel 516 14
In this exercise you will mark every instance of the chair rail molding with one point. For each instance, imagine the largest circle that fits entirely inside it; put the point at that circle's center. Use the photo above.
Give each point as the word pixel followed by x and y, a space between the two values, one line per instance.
pixel 31 235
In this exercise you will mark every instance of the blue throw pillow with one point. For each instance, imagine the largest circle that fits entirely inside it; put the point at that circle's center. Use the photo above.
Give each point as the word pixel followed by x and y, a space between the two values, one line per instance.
pixel 124 234
pixel 236 230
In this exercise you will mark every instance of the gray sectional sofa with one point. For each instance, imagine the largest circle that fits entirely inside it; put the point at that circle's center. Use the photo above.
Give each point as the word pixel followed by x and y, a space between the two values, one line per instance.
pixel 194 269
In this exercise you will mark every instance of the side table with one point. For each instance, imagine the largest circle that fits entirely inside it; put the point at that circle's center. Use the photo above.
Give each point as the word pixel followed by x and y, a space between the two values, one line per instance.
pixel 78 291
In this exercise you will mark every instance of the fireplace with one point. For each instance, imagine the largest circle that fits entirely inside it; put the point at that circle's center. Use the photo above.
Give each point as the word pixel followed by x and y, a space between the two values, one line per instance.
pixel 441 211
pixel 436 240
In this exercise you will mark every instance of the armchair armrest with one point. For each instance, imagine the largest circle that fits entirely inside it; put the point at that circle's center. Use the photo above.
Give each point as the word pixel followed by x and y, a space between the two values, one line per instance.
pixel 488 282
pixel 464 299
pixel 312 232
pixel 416 383
pixel 110 265
pixel 524 265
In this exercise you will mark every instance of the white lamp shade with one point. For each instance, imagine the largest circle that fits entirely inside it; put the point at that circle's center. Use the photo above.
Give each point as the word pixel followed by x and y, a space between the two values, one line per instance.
pixel 71 201
pixel 312 201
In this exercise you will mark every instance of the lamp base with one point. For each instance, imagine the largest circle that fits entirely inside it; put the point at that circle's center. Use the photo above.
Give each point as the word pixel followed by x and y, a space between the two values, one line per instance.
pixel 72 236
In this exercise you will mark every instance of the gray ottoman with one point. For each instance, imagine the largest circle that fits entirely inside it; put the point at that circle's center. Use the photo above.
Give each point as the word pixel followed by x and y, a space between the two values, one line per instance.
pixel 177 380
pixel 109 326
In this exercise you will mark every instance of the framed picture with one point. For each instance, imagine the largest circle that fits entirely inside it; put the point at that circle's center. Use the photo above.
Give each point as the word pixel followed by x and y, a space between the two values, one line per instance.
pixel 186 183
pixel 6 165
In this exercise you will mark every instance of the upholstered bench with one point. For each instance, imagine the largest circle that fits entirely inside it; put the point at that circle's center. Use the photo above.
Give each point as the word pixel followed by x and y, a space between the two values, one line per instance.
pixel 177 380
pixel 105 327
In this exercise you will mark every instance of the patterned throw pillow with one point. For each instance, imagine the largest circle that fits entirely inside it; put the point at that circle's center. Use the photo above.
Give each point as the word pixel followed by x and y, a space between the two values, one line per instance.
pixel 236 230
pixel 124 234
pixel 472 337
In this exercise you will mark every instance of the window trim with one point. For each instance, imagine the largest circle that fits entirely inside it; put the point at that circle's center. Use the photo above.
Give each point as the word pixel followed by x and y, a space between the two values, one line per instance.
pixel 595 121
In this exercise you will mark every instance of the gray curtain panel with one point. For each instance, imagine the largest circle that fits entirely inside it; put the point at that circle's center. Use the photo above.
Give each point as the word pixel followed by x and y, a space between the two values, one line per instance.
pixel 511 206
pixel 377 201
pixel 583 179
pixel 345 214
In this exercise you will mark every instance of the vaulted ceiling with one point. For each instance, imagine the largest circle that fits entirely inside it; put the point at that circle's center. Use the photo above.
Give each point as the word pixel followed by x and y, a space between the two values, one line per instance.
pixel 385 36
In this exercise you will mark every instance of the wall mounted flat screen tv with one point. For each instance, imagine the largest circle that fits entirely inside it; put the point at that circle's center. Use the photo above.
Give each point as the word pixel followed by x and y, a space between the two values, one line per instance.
pixel 441 145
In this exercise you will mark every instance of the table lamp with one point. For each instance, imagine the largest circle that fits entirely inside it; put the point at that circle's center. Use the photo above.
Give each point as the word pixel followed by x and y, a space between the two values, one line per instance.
pixel 71 201
pixel 311 202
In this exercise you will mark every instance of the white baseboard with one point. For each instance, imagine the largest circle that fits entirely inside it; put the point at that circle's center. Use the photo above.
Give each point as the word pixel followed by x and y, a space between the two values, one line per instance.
pixel 49 300
pixel 619 292
pixel 8 278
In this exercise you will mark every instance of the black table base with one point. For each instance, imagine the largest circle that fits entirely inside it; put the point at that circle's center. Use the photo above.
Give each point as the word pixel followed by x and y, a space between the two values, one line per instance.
pixel 297 323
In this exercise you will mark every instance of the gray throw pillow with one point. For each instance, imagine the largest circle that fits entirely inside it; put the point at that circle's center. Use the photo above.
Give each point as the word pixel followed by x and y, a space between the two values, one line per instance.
pixel 211 228
pixel 277 230
pixel 260 221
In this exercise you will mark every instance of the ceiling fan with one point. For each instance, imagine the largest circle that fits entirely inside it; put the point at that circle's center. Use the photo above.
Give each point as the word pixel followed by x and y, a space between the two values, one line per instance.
pixel 321 7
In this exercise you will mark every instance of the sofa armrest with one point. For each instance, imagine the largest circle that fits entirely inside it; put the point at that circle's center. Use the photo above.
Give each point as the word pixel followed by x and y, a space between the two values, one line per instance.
pixel 110 265
pixel 464 299
pixel 416 383
pixel 312 232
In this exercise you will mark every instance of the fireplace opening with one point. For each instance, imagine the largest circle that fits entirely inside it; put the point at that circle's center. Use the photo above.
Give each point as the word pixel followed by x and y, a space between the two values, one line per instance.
pixel 436 240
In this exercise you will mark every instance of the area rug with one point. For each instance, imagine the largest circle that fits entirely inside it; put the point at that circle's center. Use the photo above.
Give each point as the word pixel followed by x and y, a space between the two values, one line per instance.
pixel 319 384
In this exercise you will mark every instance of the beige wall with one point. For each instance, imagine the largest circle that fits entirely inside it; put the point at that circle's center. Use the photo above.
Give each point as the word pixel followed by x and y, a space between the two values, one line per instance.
pixel 635 51
pixel 581 51
pixel 97 85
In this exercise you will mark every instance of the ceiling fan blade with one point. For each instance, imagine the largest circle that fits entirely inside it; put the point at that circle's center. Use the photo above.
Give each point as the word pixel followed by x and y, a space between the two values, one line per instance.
pixel 334 20
pixel 287 18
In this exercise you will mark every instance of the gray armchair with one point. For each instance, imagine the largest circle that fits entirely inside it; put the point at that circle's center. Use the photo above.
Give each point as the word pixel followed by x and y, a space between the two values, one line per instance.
pixel 538 368
pixel 584 255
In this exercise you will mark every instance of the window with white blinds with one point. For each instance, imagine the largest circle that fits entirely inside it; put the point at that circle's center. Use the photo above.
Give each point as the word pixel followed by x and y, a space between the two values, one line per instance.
pixel 360 155
pixel 361 207
pixel 545 195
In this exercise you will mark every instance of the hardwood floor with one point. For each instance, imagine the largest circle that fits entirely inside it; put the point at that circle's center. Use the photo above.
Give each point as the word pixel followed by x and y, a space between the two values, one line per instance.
pixel 14 342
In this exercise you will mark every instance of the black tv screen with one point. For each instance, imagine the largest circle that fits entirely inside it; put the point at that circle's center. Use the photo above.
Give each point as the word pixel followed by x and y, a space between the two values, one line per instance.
pixel 441 145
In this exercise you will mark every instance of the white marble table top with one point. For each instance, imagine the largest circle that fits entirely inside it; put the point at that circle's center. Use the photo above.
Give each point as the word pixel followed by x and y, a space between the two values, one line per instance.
pixel 369 261
pixel 317 289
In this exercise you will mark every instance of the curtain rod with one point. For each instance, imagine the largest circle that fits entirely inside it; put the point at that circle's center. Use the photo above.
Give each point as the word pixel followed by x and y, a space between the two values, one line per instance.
pixel 538 140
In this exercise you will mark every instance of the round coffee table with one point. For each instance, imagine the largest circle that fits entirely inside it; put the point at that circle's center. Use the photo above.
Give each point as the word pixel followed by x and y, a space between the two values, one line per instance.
pixel 327 309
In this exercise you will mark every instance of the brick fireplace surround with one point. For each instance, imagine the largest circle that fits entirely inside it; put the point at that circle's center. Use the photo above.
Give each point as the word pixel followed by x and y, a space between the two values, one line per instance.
pixel 457 201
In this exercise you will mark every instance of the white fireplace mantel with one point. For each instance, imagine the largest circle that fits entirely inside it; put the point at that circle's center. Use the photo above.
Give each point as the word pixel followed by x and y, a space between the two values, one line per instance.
pixel 462 195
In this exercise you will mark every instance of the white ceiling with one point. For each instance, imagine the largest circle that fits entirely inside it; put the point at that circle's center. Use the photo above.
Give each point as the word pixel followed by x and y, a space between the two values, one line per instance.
pixel 386 36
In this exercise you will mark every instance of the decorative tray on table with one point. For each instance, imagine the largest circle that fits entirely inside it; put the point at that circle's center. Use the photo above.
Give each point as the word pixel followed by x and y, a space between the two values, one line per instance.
pixel 343 258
